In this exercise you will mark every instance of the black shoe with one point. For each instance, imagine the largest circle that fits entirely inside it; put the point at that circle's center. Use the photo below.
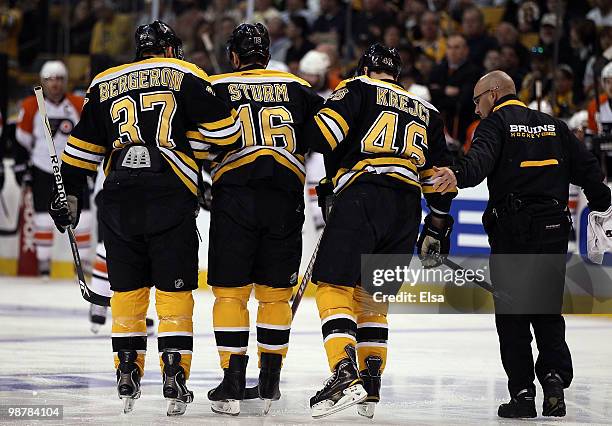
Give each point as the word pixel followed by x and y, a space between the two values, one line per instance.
pixel 371 383
pixel 227 396
pixel 342 390
pixel 175 384
pixel 128 379
pixel 269 378
pixel 520 406
pixel 554 402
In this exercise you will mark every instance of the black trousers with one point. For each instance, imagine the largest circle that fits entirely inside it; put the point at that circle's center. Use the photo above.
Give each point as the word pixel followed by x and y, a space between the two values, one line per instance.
pixel 533 275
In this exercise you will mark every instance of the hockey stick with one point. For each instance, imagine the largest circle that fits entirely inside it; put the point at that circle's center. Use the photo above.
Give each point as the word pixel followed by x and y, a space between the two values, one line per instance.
pixel 86 292
pixel 503 297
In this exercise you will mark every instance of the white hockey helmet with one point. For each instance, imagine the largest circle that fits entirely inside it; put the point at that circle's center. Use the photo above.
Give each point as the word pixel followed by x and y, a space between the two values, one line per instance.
pixel 52 69
pixel 579 120
pixel 314 63
pixel 606 72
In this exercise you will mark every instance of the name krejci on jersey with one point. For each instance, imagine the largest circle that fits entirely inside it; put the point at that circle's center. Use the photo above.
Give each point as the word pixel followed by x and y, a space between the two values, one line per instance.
pixel 522 131
pixel 143 79
pixel 276 92
pixel 390 98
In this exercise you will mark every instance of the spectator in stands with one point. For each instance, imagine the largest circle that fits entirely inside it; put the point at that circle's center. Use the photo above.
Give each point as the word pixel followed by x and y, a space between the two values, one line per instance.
pixel 479 42
pixel 601 14
pixel 424 65
pixel 297 32
pixel 511 64
pixel 375 17
pixel 548 35
pixel 596 62
pixel 329 25
pixel 11 19
pixel 109 33
pixel 541 71
pixel 528 16
pixel 451 86
pixel 298 8
pixel 431 40
pixel 83 21
pixel 408 81
pixel 564 105
pixel 492 60
pixel 263 8
pixel 411 14
pixel 334 73
pixel 583 43
pixel 506 34
pixel 279 43
pixel 392 36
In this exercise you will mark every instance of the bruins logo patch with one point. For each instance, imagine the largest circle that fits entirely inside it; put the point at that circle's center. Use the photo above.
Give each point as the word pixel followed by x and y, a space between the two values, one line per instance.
pixel 338 94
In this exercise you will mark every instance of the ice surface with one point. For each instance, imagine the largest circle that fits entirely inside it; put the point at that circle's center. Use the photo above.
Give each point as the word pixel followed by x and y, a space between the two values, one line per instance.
pixel 442 369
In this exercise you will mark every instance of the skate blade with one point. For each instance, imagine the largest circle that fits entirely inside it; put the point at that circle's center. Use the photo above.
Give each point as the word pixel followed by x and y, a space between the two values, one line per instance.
pixel 128 403
pixel 230 407
pixel 352 395
pixel 267 406
pixel 176 407
pixel 94 328
pixel 366 409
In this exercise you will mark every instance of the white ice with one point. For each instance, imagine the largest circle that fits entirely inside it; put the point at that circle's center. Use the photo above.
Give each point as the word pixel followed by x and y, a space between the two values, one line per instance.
pixel 442 369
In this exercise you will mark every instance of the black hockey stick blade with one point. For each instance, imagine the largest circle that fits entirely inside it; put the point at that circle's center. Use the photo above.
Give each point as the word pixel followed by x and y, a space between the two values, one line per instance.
pixel 86 292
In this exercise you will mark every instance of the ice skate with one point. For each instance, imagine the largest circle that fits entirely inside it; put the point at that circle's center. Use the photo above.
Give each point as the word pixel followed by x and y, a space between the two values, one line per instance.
pixel 150 326
pixel 269 379
pixel 128 379
pixel 521 406
pixel 225 398
pixel 342 390
pixel 371 382
pixel 97 317
pixel 554 401
pixel 175 385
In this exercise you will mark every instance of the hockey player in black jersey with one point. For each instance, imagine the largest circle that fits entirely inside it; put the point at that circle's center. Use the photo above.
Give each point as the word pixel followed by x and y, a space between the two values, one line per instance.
pixel 257 215
pixel 148 122
pixel 382 143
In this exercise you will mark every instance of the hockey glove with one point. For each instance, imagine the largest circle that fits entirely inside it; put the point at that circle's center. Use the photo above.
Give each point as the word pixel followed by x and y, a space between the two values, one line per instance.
pixel 434 243
pixel 64 213
pixel 599 235
pixel 325 196
pixel 205 195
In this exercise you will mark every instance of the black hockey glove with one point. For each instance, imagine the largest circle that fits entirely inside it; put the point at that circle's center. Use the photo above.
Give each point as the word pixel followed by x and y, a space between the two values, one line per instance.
pixel 325 196
pixel 434 242
pixel 205 195
pixel 64 212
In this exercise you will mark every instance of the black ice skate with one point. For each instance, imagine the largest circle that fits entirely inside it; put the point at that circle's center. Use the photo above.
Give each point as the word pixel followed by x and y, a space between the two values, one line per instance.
pixel 554 402
pixel 150 326
pixel 175 385
pixel 225 398
pixel 342 390
pixel 128 379
pixel 371 383
pixel 97 317
pixel 520 406
pixel 269 379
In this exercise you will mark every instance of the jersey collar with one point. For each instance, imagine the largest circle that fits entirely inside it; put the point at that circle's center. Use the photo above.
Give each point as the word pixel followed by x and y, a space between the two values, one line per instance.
pixel 506 101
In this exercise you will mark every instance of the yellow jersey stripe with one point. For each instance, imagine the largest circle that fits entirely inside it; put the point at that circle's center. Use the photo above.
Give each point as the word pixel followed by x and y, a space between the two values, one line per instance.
pixel 258 73
pixel 326 133
pixel 188 182
pixel 540 163
pixel 219 124
pixel 426 173
pixel 79 163
pixel 337 118
pixel 194 69
pixel 87 146
pixel 386 161
pixel 251 157
pixel 510 102
pixel 188 161
pixel 194 135
pixel 404 179
pixel 200 155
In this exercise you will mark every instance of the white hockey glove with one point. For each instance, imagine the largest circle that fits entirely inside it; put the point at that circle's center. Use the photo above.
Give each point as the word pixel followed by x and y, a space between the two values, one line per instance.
pixel 599 235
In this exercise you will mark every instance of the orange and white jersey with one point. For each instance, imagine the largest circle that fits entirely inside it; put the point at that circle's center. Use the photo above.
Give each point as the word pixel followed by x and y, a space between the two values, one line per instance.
pixel 30 131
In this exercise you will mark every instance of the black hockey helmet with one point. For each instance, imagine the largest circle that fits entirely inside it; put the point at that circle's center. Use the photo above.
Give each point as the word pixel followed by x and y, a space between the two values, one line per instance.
pixel 379 58
pixel 155 37
pixel 250 41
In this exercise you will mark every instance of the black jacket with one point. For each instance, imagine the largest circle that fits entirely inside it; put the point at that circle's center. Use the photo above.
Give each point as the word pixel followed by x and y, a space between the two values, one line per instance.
pixel 530 154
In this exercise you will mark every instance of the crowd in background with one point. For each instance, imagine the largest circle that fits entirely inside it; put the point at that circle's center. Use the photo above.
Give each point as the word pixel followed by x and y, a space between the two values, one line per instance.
pixel 552 49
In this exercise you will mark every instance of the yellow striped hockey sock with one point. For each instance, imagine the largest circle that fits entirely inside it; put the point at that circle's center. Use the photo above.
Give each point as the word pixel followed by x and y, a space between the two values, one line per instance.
pixel 273 319
pixel 175 330
pixel 231 321
pixel 372 328
pixel 129 331
pixel 335 304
